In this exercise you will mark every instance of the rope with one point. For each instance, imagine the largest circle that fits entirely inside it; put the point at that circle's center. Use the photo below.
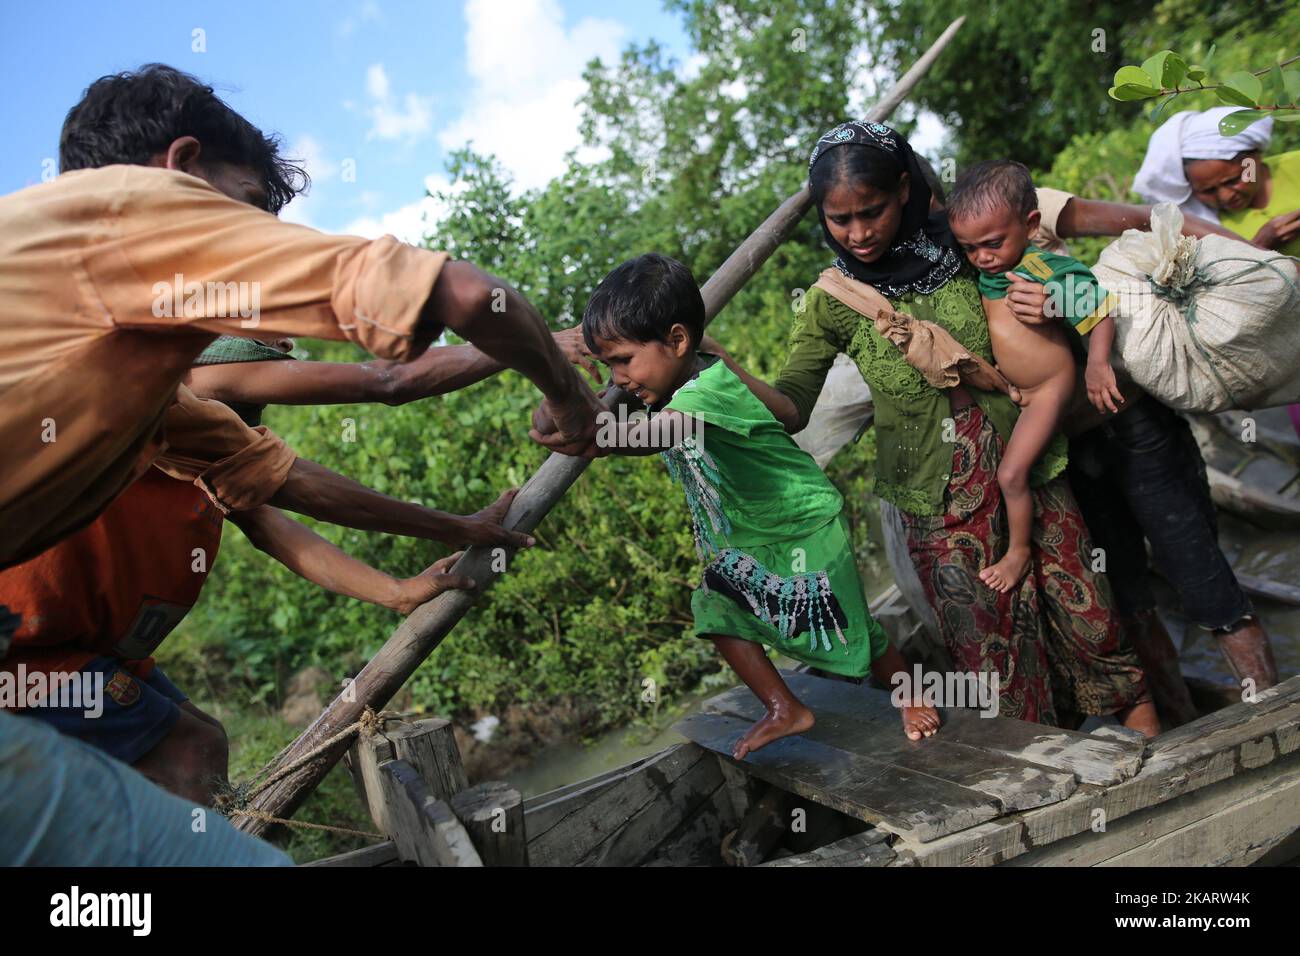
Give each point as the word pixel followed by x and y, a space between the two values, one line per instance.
pixel 1183 297
pixel 259 815
pixel 234 798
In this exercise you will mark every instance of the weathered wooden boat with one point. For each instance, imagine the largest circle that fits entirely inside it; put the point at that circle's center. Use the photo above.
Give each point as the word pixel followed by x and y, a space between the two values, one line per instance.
pixel 1223 790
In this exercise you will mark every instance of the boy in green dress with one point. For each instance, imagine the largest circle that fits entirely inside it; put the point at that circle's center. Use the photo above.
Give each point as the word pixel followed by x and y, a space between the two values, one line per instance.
pixel 779 565
pixel 993 213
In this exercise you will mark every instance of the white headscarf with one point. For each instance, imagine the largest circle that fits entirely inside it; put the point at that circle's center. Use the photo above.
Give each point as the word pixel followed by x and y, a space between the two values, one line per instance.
pixel 1192 135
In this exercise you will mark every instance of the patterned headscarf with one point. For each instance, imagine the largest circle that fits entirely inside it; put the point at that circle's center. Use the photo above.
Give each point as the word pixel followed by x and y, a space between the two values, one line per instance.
pixel 924 254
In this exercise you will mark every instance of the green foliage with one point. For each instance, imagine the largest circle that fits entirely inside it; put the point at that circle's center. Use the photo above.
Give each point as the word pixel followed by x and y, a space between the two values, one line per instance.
pixel 1162 76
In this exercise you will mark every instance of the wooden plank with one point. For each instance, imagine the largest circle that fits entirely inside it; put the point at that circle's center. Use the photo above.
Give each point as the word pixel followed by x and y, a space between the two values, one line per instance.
pixel 696 840
pixel 872 790
pixel 539 800
pixel 862 849
pixel 493 815
pixel 1014 784
pixel 1090 759
pixel 1236 836
pixel 985 845
pixel 542 815
pixel 657 820
pixel 422 827
pixel 1191 763
pixel 580 822
pixel 1146 827
pixel 760 831
pixel 367 753
pixel 430 747
pixel 1241 714
pixel 380 854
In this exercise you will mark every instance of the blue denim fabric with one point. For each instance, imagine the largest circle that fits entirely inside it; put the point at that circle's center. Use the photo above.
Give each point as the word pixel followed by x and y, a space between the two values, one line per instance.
pixel 66 803
pixel 1140 475
pixel 126 732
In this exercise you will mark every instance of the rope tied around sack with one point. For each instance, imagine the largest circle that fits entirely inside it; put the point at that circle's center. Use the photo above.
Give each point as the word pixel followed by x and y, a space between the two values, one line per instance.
pixel 1182 293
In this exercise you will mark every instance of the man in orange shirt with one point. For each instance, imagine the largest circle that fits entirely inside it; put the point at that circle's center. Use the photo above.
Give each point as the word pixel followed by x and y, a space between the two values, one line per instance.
pixel 113 277
pixel 157 237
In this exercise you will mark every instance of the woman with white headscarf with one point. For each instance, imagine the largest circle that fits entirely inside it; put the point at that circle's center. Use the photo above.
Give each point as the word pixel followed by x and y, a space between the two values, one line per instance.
pixel 1225 179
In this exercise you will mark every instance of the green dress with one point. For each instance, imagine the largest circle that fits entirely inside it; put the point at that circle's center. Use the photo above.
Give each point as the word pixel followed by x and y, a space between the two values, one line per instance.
pixel 779 565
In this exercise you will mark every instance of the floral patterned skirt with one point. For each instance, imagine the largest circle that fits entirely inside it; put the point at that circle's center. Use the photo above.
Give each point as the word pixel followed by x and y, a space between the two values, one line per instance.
pixel 1055 641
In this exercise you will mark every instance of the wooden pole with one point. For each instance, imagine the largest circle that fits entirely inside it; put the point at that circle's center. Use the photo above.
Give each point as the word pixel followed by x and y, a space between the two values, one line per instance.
pixel 417 636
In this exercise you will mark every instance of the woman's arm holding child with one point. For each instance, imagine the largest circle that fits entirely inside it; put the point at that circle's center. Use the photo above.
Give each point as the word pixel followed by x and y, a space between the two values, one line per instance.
pixel 781 406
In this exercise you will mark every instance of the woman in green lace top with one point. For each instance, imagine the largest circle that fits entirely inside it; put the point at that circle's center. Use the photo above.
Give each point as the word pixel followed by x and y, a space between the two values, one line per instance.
pixel 1054 641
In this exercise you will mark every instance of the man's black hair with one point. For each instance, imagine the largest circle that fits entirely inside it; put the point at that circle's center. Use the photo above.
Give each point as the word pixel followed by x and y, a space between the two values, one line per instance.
pixel 641 300
pixel 993 184
pixel 131 117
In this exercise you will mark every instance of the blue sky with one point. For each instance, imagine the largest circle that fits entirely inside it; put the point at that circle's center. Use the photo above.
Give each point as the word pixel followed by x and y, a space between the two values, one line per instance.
pixel 390 85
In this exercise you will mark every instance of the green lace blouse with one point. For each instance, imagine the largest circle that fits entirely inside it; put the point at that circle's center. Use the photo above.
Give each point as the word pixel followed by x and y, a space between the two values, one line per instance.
pixel 913 459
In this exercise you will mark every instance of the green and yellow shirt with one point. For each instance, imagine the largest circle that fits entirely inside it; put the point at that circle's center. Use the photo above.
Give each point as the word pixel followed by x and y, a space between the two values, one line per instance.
pixel 1076 295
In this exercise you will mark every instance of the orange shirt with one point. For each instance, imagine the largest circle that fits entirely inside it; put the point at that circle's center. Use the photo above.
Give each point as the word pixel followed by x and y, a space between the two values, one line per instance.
pixel 118 586
pixel 112 280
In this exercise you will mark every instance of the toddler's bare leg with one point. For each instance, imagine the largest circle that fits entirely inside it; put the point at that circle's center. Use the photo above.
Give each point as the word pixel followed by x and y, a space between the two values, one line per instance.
pixel 1030 437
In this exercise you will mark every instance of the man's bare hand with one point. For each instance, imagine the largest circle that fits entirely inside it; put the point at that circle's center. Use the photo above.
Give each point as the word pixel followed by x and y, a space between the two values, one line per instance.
pixel 572 423
pixel 1278 231
pixel 429 583
pixel 1027 300
pixel 484 527
pixel 574 347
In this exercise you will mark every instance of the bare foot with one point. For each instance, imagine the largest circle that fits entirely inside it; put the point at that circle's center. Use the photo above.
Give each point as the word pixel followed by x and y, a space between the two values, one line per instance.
pixel 774 726
pixel 920 720
pixel 1008 572
pixel 1142 718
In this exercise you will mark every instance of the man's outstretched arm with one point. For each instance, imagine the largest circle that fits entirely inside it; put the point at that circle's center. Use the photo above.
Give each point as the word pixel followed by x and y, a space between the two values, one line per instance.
pixel 315 559
pixel 312 489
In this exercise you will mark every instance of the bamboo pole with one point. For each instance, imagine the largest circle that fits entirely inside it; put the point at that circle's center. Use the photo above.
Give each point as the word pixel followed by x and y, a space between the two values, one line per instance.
pixel 417 636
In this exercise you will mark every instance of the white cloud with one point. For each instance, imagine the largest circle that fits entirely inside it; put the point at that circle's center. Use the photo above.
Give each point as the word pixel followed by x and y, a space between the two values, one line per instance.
pixel 410 119
pixel 368 12
pixel 408 223
pixel 526 70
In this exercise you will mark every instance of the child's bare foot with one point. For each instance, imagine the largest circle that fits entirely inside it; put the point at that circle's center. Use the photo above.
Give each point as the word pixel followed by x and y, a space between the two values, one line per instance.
pixel 797 720
pixel 1008 572
pixel 920 720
